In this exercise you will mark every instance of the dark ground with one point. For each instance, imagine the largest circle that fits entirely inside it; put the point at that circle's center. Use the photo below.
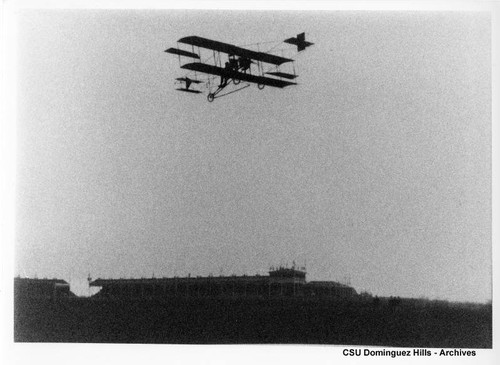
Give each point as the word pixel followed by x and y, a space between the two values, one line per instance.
pixel 407 323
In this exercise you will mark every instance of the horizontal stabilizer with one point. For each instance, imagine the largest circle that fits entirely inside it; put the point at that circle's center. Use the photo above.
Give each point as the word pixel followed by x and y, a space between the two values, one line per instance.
pixel 187 79
pixel 233 50
pixel 283 75
pixel 189 90
pixel 181 52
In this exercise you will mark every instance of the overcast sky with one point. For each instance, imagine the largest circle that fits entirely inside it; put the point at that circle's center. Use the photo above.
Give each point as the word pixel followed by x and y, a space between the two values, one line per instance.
pixel 375 167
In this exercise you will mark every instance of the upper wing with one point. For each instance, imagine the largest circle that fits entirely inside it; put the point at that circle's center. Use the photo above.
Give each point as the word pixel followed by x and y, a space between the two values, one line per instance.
pixel 181 52
pixel 215 70
pixel 234 50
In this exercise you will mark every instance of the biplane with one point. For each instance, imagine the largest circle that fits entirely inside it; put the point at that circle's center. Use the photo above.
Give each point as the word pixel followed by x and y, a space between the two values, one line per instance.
pixel 228 64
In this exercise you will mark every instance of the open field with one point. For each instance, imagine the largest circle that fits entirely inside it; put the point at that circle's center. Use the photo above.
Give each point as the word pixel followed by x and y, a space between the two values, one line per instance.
pixel 408 323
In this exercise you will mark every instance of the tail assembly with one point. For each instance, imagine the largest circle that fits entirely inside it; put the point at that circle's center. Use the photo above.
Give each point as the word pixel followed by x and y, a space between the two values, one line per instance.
pixel 299 41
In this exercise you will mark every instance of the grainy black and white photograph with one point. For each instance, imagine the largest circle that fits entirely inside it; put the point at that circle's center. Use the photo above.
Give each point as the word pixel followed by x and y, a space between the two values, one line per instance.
pixel 217 177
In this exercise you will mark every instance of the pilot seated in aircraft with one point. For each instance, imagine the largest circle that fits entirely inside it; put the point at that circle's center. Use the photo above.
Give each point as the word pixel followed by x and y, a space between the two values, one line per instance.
pixel 224 79
pixel 244 64
pixel 233 63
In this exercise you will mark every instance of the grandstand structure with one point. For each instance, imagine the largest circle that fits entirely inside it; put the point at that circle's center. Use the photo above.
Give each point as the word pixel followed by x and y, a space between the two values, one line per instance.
pixel 281 282
pixel 29 288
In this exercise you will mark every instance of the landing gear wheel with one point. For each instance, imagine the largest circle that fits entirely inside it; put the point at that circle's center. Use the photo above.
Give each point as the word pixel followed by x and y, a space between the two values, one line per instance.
pixel 260 86
pixel 236 81
pixel 210 97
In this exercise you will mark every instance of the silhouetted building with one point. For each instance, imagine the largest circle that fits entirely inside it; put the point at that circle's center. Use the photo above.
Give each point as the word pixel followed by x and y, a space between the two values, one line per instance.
pixel 41 288
pixel 280 282
pixel 329 289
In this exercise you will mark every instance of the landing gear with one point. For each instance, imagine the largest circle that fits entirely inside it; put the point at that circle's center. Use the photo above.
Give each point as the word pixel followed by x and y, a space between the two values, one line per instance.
pixel 260 86
pixel 216 94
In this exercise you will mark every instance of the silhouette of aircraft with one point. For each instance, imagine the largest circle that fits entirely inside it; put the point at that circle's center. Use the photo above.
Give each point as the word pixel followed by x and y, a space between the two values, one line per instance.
pixel 241 64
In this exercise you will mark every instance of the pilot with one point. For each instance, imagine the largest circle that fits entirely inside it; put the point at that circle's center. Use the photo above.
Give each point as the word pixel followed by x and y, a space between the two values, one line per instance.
pixel 233 62
pixel 244 63
pixel 224 79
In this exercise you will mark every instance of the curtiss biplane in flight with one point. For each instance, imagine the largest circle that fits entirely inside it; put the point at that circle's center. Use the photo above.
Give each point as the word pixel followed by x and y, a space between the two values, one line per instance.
pixel 241 64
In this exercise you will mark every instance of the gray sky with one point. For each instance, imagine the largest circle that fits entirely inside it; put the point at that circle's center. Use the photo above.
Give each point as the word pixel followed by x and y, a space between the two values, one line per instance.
pixel 377 166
